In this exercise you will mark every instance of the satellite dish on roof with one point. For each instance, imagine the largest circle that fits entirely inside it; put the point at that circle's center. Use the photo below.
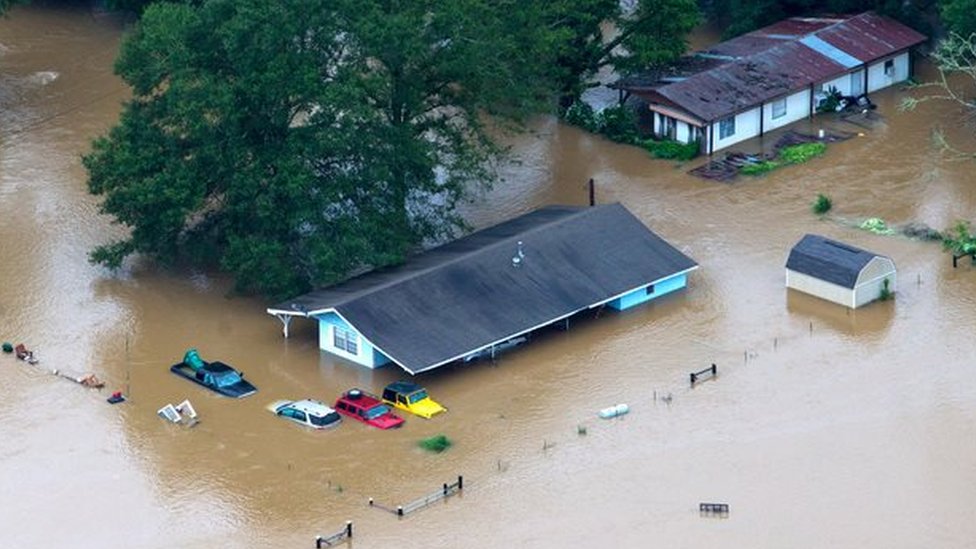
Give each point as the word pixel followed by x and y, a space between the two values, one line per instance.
pixel 519 256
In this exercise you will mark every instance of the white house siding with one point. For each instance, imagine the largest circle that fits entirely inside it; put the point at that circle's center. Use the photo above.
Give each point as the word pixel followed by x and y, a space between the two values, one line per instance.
pixel 842 83
pixel 877 78
pixel 365 355
pixel 684 132
pixel 797 108
pixel 746 126
pixel 871 279
pixel 819 288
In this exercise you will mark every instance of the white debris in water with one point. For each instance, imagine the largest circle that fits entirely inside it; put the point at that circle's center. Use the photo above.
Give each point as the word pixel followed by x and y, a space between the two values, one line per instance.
pixel 43 78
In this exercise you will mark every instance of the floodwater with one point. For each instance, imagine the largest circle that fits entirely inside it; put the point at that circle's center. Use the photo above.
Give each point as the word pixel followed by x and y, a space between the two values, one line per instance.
pixel 824 428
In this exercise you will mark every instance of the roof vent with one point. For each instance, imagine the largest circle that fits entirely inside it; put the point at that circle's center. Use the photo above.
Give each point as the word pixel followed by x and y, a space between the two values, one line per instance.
pixel 354 394
pixel 519 256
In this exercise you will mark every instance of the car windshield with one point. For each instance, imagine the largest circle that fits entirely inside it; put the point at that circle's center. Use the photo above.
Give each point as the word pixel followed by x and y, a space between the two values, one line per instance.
pixel 327 419
pixel 377 411
pixel 226 379
pixel 418 396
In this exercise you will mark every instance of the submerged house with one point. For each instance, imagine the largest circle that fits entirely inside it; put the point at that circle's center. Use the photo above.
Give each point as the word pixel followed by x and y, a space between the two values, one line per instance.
pixel 492 287
pixel 839 272
pixel 771 77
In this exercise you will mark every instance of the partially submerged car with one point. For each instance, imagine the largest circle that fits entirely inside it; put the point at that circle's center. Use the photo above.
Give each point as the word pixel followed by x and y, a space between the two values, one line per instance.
pixel 216 376
pixel 408 396
pixel 367 408
pixel 307 412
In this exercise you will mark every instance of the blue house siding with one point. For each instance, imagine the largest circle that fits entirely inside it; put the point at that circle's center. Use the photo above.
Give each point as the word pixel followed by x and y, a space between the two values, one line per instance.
pixel 365 354
pixel 647 293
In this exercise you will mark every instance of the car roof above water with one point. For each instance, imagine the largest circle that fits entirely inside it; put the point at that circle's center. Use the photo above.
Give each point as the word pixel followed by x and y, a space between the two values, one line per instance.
pixel 403 387
pixel 312 407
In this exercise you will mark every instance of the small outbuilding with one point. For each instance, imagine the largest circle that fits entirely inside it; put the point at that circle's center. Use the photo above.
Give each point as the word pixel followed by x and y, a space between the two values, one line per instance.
pixel 839 272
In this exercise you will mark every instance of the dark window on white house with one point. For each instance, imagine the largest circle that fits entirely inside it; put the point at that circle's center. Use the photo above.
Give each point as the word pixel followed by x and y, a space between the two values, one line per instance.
pixel 779 108
pixel 726 128
pixel 347 340
pixel 670 128
pixel 889 68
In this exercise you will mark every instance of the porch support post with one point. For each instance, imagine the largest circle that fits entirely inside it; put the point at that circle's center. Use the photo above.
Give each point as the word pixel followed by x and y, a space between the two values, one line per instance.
pixel 285 321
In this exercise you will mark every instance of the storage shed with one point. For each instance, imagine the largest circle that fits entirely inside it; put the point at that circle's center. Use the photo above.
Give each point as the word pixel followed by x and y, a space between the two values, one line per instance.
pixel 839 272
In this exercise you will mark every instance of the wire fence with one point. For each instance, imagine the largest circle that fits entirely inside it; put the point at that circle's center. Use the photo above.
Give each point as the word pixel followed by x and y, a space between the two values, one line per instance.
pixel 446 491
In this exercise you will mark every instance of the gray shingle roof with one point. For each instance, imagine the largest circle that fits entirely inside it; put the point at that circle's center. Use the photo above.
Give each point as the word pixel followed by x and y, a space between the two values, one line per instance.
pixel 829 260
pixel 467 295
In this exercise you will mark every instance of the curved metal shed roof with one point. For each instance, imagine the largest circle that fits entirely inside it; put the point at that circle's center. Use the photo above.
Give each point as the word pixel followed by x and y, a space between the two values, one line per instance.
pixel 829 260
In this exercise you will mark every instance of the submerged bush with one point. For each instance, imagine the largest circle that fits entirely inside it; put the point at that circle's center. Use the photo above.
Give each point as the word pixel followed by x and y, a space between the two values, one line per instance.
pixel 797 154
pixel 672 150
pixel 581 114
pixel 759 168
pixel 876 225
pixel 885 290
pixel 618 124
pixel 436 444
pixel 822 204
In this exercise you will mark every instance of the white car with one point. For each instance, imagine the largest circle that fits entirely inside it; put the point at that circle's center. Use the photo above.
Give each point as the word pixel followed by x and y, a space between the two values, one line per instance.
pixel 310 413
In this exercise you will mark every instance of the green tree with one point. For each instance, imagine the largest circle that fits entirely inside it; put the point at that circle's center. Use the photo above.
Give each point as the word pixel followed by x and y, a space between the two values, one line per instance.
pixel 583 36
pixel 742 16
pixel 959 16
pixel 294 142
pixel 955 55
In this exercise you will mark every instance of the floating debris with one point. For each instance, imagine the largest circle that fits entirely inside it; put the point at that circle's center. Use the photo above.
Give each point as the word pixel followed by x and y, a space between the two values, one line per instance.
pixel 180 413
pixel 614 411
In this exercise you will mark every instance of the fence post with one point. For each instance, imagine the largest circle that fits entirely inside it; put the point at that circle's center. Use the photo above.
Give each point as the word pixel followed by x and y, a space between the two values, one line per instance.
pixel 349 528
pixel 370 502
pixel 399 510
pixel 460 483
pixel 318 542
pixel 445 488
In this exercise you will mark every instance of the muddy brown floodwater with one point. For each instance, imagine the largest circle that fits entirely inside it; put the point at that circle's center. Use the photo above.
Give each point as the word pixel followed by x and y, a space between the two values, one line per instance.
pixel 825 428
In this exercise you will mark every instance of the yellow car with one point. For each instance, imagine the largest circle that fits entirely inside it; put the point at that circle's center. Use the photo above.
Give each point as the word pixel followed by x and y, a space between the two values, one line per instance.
pixel 412 398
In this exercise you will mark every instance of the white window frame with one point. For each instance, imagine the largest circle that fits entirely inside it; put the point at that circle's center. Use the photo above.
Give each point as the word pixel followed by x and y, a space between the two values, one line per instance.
pixel 778 108
pixel 726 127
pixel 347 340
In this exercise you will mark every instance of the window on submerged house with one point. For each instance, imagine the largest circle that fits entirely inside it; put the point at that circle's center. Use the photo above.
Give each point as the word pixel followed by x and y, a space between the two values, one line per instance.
pixel 779 108
pixel 346 340
pixel 889 67
pixel 726 128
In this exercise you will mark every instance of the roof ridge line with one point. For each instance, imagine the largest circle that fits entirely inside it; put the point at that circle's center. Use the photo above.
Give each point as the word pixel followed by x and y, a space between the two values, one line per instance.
pixel 414 276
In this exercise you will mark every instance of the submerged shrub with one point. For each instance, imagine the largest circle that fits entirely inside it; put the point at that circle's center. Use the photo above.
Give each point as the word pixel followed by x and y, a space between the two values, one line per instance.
pixel 618 124
pixel 581 114
pixel 885 290
pixel 876 225
pixel 436 444
pixel 797 154
pixel 672 150
pixel 822 204
pixel 759 168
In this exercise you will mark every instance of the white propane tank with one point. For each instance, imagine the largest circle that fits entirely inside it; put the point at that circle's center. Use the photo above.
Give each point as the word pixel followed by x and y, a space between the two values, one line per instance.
pixel 614 411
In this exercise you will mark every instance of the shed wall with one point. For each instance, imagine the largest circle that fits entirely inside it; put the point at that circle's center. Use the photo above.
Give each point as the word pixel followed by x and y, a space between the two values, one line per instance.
pixel 871 279
pixel 819 288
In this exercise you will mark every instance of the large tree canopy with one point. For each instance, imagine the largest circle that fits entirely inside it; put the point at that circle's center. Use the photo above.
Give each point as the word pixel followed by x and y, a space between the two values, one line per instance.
pixel 959 16
pixel 741 16
pixel 293 142
pixel 586 35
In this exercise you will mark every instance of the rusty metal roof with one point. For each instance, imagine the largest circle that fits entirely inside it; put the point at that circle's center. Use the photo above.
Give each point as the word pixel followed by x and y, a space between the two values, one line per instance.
pixel 743 72
pixel 869 36
pixel 744 83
